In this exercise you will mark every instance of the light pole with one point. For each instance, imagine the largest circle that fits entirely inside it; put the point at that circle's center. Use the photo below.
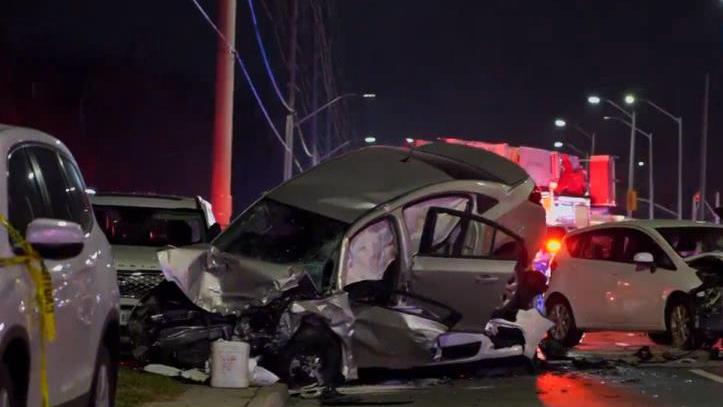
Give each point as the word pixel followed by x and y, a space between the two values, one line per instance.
pixel 678 120
pixel 291 124
pixel 629 99
pixel 651 184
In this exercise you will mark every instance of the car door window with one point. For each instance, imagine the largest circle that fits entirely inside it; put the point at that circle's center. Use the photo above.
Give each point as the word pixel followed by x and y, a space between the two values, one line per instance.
pixel 371 253
pixel 25 201
pixel 52 182
pixel 600 245
pixel 81 210
pixel 451 233
pixel 635 241
pixel 416 214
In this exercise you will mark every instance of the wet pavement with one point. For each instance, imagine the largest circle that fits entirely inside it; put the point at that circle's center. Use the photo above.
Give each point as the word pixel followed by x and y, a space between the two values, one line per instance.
pixel 690 380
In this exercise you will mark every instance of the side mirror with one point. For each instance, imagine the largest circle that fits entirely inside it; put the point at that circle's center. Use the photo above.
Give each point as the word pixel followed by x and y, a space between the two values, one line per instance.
pixel 644 260
pixel 213 231
pixel 55 239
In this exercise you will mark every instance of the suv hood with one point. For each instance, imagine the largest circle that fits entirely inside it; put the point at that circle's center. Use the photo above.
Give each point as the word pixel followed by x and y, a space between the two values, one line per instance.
pixel 220 282
pixel 135 257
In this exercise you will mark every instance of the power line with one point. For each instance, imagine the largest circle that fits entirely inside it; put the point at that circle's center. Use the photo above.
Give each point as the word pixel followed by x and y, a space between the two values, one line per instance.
pixel 265 58
pixel 248 80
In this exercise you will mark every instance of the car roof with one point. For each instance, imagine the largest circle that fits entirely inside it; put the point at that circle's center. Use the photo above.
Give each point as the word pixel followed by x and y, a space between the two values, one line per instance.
pixel 648 224
pixel 353 184
pixel 143 200
pixel 12 135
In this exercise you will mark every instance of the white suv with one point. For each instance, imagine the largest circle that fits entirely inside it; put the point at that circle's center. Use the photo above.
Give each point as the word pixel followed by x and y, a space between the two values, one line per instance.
pixel 45 201
pixel 664 277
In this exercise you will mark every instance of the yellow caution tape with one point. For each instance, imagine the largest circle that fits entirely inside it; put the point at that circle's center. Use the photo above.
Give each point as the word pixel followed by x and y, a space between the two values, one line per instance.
pixel 43 295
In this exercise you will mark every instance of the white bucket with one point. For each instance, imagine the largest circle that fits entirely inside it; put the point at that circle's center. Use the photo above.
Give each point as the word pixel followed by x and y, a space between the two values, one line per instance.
pixel 230 364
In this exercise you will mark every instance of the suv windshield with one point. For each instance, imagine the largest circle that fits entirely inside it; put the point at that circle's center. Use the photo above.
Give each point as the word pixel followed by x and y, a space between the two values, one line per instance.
pixel 689 241
pixel 156 227
pixel 282 234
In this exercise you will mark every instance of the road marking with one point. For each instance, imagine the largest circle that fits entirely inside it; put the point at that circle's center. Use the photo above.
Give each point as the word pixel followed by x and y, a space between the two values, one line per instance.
pixel 708 375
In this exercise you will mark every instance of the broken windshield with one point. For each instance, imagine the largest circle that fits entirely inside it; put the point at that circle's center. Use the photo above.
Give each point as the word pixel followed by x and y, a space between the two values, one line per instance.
pixel 282 234
pixel 690 241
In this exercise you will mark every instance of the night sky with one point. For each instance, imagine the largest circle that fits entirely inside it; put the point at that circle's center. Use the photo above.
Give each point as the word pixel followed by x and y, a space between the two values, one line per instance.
pixel 140 73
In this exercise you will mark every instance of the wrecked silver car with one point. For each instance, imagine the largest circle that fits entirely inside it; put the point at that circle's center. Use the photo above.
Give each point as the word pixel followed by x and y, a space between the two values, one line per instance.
pixel 385 257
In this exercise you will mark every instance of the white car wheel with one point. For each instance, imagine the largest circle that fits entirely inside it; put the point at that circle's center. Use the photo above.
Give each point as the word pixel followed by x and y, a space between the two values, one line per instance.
pixel 565 330
pixel 680 323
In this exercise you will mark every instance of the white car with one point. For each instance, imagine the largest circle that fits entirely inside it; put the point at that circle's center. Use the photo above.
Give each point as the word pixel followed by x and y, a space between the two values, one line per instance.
pixel 663 277
pixel 46 202
pixel 138 225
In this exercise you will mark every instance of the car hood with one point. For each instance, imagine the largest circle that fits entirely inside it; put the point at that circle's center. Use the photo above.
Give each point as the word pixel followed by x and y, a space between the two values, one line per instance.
pixel 223 283
pixel 135 257
pixel 708 255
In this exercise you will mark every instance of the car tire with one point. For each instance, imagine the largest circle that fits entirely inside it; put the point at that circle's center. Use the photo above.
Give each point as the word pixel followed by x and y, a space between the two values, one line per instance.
pixel 102 391
pixel 313 356
pixel 681 325
pixel 7 389
pixel 565 330
pixel 660 338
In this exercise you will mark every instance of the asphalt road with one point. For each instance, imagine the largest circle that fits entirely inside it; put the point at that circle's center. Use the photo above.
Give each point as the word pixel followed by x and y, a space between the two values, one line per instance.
pixel 691 380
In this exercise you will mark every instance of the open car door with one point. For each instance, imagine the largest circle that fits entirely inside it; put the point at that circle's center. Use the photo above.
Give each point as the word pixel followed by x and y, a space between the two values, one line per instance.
pixel 392 329
pixel 466 262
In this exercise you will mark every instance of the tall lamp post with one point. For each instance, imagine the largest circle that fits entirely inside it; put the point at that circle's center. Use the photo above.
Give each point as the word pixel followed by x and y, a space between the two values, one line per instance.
pixel 629 99
pixel 651 184
pixel 292 123
pixel 678 120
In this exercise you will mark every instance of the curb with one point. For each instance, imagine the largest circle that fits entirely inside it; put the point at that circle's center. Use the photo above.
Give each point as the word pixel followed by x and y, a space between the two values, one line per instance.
pixel 270 396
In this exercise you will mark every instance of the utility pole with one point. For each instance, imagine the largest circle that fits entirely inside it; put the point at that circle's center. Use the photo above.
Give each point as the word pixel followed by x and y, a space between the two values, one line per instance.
pixel 631 168
pixel 704 148
pixel 291 90
pixel 223 120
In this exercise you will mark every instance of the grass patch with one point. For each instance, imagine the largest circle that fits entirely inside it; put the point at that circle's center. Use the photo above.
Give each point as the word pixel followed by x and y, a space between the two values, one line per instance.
pixel 136 388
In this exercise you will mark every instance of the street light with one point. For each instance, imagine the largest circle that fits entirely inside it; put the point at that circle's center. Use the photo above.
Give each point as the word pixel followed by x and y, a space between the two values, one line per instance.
pixel 560 123
pixel 370 140
pixel 651 184
pixel 409 140
pixel 678 120
pixel 292 123
pixel 633 120
pixel 558 144
pixel 629 99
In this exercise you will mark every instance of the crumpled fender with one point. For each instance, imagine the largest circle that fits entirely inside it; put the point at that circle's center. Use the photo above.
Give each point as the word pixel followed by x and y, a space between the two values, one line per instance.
pixel 223 283
pixel 533 325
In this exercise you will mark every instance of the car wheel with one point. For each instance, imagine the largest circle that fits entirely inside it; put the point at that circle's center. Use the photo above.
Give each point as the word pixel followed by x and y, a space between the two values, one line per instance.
pixel 102 392
pixel 660 338
pixel 565 331
pixel 681 325
pixel 7 393
pixel 313 356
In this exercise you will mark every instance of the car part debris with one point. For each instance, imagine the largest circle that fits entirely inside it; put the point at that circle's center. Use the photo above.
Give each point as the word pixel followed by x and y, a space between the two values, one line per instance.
pixel 162 370
pixel 644 354
pixel 553 349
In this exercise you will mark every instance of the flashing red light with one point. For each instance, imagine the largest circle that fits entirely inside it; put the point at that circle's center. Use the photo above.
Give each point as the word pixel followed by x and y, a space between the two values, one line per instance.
pixel 553 245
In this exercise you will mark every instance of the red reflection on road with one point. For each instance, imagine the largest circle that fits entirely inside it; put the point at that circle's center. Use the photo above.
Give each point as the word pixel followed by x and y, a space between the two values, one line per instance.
pixel 554 390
